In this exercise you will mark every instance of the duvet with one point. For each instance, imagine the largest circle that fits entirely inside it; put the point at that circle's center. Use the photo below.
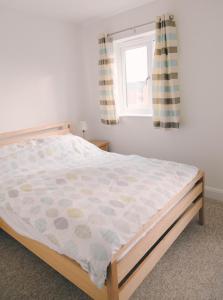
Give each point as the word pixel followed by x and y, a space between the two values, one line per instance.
pixel 85 203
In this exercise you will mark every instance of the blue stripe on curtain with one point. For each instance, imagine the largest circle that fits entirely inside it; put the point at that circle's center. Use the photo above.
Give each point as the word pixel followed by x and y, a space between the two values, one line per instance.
pixel 165 64
pixel 168 113
pixel 169 36
pixel 166 89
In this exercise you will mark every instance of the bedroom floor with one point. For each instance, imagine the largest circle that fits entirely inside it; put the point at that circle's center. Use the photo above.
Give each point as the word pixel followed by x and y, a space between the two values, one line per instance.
pixel 191 269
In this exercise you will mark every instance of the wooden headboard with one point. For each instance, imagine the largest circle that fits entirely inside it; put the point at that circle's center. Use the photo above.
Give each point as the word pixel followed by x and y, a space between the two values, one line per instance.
pixel 41 131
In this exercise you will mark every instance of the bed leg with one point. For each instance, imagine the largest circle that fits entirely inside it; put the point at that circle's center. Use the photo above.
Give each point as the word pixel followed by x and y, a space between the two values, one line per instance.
pixel 201 211
pixel 201 214
pixel 112 282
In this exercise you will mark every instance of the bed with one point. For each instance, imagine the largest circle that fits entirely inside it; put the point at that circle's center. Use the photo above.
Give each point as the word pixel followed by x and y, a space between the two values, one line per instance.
pixel 135 251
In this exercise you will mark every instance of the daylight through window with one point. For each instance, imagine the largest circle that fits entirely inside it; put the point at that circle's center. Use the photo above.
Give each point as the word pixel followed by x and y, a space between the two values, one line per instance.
pixel 134 74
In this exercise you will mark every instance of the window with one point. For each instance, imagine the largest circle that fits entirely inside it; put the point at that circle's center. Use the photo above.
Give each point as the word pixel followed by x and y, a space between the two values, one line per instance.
pixel 134 74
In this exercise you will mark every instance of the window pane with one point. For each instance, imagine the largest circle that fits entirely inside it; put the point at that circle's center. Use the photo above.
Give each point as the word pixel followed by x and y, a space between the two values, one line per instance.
pixel 137 79
pixel 136 64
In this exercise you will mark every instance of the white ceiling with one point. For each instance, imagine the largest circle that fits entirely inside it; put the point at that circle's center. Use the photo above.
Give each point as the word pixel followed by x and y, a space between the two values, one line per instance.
pixel 73 10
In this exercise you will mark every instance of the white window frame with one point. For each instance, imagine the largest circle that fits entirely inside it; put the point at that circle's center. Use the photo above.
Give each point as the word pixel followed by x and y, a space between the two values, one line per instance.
pixel 120 46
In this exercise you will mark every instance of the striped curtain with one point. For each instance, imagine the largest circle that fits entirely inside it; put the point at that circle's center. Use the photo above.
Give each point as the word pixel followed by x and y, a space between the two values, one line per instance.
pixel 166 97
pixel 106 81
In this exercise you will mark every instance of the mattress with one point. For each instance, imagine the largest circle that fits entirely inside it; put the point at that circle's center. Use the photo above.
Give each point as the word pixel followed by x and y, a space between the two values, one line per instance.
pixel 81 201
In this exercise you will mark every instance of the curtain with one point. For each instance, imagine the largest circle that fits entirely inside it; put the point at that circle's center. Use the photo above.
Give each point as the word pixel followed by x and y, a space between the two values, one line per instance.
pixel 106 81
pixel 166 97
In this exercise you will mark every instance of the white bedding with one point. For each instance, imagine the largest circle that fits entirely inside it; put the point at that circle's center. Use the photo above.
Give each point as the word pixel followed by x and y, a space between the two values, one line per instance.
pixel 81 201
pixel 14 221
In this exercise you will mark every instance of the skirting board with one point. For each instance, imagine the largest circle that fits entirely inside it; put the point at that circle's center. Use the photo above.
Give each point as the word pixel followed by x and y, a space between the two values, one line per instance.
pixel 213 193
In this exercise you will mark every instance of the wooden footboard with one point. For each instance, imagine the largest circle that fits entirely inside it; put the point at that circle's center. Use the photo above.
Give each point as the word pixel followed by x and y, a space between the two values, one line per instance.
pixel 126 274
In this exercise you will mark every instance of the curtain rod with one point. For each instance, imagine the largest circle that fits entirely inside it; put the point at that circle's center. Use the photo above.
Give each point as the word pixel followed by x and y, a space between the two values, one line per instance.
pixel 135 27
pixel 131 28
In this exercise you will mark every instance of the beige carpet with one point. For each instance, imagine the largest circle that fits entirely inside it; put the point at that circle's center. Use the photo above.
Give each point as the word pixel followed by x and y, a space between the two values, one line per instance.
pixel 191 269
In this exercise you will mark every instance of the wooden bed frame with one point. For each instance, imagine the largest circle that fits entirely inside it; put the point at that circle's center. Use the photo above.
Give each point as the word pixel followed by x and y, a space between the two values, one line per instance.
pixel 127 270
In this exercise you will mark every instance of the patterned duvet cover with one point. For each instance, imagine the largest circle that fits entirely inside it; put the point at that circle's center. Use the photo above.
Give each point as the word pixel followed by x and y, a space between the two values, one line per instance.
pixel 85 201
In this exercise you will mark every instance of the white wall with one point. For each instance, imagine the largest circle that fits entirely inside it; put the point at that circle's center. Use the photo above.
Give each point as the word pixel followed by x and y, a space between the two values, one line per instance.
pixel 200 138
pixel 39 71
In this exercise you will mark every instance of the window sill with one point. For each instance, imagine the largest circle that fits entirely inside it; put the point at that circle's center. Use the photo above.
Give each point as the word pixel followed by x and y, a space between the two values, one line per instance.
pixel 135 115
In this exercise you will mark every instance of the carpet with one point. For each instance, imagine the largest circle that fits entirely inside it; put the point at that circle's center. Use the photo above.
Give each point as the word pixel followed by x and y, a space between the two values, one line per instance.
pixel 191 269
